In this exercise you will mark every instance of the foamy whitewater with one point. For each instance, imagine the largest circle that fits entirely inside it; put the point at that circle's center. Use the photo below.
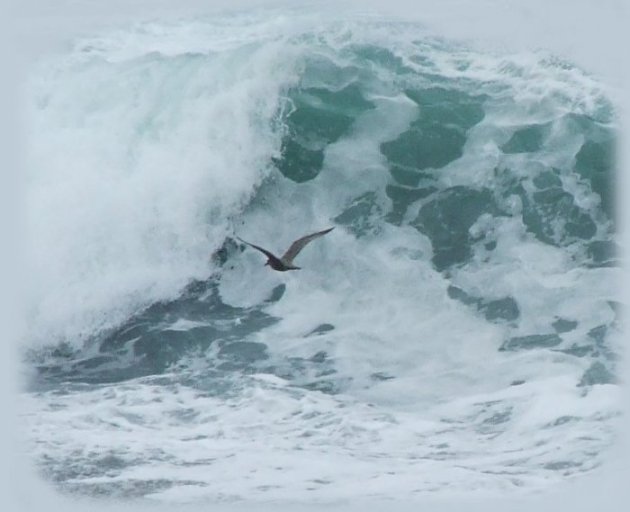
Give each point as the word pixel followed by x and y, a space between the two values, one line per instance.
pixel 456 333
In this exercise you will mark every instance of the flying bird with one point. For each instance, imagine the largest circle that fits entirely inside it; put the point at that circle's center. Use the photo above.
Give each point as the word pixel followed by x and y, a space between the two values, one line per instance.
pixel 285 262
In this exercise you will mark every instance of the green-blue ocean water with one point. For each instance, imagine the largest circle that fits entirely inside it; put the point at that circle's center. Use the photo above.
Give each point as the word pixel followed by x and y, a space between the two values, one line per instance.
pixel 473 260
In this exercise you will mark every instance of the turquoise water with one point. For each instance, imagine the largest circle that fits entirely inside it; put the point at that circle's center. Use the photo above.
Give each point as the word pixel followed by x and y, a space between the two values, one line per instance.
pixel 462 314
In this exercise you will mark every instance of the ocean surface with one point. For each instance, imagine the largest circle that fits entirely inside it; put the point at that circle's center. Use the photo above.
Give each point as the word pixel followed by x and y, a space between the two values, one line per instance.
pixel 457 333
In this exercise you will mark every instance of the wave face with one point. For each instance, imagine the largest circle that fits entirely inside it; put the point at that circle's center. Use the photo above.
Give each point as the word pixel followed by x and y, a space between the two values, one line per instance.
pixel 457 331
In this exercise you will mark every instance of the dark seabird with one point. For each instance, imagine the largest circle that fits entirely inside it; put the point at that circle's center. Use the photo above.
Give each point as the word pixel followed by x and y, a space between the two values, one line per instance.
pixel 285 262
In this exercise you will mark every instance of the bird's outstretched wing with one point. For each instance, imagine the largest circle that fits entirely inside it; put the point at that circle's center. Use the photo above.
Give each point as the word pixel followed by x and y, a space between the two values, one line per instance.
pixel 299 244
pixel 264 251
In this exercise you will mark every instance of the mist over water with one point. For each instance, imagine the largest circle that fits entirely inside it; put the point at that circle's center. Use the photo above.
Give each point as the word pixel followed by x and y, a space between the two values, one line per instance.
pixel 457 332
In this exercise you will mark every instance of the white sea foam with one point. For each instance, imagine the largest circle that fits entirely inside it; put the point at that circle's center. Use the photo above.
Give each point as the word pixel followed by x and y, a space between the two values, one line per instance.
pixel 127 216
pixel 138 163
pixel 276 442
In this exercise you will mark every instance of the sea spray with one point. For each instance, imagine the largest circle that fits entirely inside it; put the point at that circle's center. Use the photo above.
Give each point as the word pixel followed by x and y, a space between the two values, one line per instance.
pixel 458 330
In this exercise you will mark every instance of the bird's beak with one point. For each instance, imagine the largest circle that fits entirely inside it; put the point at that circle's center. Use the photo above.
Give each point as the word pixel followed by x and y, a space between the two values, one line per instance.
pixel 267 263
